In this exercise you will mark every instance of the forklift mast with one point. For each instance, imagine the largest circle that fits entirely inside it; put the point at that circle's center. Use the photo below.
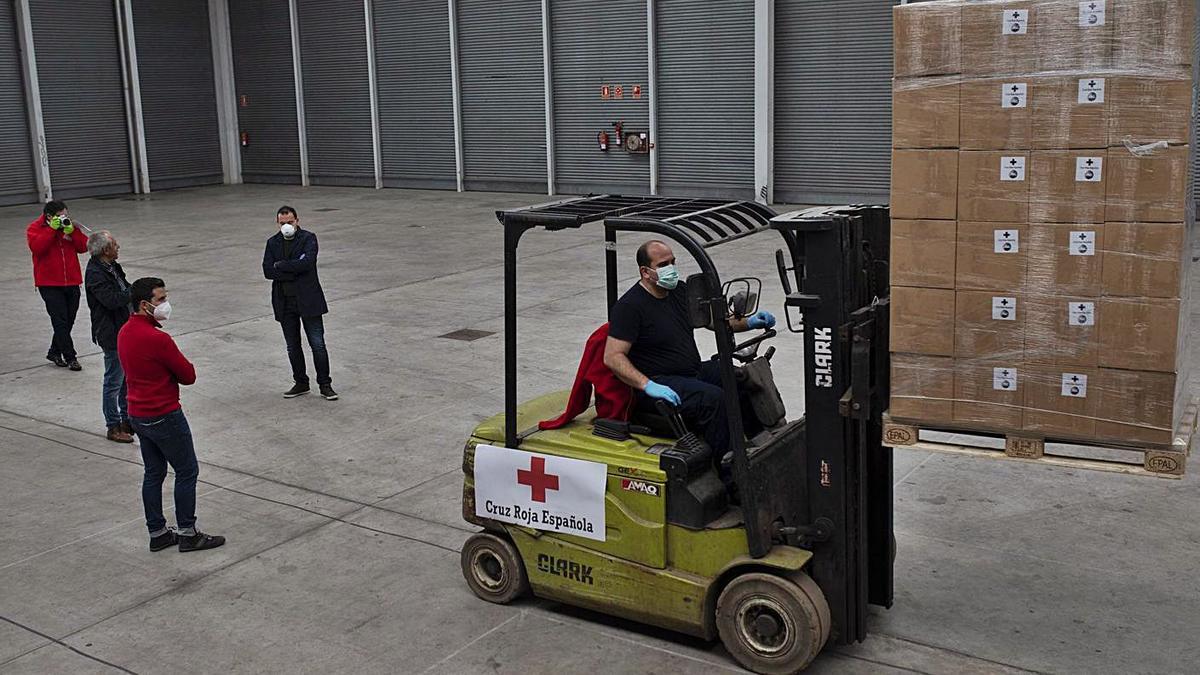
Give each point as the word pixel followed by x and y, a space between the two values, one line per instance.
pixel 839 258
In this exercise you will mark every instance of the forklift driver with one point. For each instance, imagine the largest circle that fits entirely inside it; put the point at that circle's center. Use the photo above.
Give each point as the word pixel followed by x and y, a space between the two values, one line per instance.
pixel 651 347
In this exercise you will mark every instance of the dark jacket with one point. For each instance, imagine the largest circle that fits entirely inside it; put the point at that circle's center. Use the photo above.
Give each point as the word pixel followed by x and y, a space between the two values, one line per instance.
pixel 299 268
pixel 109 304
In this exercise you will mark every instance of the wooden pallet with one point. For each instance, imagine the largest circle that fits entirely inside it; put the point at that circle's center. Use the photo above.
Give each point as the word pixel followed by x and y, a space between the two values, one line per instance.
pixel 1163 462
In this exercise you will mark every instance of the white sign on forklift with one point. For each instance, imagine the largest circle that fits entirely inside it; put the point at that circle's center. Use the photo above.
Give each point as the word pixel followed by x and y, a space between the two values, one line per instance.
pixel 543 492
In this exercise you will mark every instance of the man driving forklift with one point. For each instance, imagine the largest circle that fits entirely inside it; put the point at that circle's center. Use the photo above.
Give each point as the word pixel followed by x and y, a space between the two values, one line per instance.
pixel 652 348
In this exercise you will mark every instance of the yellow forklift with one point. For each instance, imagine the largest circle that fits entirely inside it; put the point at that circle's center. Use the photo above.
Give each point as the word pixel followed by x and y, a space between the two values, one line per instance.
pixel 790 556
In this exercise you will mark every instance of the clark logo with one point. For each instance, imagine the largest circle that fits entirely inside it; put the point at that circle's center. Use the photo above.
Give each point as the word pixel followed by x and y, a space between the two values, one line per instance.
pixel 567 569
pixel 639 486
pixel 823 357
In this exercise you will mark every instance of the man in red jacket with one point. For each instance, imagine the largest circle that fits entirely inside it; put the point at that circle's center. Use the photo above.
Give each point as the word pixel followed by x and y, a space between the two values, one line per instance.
pixel 154 369
pixel 56 245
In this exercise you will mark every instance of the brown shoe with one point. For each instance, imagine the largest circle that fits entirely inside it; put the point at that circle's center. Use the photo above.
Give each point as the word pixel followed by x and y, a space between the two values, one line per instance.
pixel 116 435
pixel 126 427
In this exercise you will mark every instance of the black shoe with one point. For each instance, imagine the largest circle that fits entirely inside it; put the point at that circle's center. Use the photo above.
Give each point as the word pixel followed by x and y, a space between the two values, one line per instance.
pixel 296 390
pixel 165 540
pixel 328 392
pixel 199 542
pixel 57 360
pixel 74 365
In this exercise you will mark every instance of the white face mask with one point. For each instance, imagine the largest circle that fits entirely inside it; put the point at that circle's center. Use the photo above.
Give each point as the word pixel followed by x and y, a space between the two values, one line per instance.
pixel 288 230
pixel 163 312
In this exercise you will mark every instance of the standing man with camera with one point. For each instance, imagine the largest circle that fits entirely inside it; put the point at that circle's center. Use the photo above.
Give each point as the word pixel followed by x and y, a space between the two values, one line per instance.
pixel 56 245
pixel 290 262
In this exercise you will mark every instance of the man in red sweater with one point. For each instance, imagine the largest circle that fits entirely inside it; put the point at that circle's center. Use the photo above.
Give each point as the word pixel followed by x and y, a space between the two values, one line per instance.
pixel 56 245
pixel 154 369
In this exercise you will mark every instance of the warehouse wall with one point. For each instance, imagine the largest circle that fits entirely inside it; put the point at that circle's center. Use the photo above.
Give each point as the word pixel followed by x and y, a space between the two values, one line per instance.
pixel 17 184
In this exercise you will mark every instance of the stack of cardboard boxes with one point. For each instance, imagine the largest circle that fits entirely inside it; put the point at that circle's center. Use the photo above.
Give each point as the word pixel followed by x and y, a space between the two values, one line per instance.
pixel 1041 215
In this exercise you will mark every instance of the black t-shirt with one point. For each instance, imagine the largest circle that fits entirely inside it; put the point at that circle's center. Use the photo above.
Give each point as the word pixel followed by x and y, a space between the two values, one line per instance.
pixel 289 288
pixel 662 336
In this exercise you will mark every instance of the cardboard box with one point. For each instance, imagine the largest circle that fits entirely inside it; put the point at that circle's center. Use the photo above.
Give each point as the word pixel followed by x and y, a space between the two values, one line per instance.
pixel 1147 108
pixel 922 388
pixel 1072 35
pixel 989 394
pixel 1136 407
pixel 993 186
pixel 991 256
pixel 989 325
pixel 926 39
pixel 925 112
pixel 923 253
pixel 996 113
pixel 1061 330
pixel 1064 258
pixel 1070 112
pixel 1061 402
pixel 924 184
pixel 1153 33
pixel 999 38
pixel 1139 333
pixel 1067 186
pixel 1144 259
pixel 922 321
pixel 1149 188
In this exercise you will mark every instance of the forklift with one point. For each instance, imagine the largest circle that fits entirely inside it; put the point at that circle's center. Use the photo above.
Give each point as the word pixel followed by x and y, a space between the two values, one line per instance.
pixel 791 555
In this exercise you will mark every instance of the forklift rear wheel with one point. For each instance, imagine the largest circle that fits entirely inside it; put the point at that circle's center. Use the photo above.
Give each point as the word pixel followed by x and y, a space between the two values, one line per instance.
pixel 771 624
pixel 493 569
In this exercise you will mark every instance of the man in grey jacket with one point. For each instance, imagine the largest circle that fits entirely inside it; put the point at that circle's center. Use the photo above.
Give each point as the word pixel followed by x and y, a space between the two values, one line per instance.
pixel 108 300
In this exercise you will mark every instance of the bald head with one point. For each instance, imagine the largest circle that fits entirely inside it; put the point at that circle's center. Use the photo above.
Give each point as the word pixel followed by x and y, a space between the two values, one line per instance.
pixel 653 253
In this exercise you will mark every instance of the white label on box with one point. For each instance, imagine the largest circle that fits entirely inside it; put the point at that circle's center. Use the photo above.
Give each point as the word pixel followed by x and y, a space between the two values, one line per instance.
pixel 1081 313
pixel 1012 168
pixel 1004 309
pixel 1004 379
pixel 1074 385
pixel 1091 13
pixel 1091 90
pixel 1006 241
pixel 1015 22
pixel 1013 94
pixel 1089 169
pixel 1083 243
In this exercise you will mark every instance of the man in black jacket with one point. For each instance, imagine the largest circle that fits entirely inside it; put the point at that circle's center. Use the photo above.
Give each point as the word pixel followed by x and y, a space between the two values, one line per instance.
pixel 108 299
pixel 290 262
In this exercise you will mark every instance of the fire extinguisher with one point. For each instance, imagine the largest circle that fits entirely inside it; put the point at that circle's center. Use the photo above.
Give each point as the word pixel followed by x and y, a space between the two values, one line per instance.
pixel 245 136
pixel 602 139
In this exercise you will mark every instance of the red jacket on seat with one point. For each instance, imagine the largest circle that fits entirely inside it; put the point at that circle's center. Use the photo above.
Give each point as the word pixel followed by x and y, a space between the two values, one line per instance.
pixel 55 255
pixel 614 398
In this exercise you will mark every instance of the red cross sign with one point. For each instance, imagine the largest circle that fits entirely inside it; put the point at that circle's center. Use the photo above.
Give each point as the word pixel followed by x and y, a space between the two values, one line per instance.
pixel 537 479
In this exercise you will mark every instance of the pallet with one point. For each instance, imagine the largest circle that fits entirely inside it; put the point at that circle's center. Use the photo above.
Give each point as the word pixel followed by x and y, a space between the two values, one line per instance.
pixel 1162 462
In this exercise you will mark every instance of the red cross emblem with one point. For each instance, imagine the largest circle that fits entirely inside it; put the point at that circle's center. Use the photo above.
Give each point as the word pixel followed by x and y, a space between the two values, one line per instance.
pixel 537 479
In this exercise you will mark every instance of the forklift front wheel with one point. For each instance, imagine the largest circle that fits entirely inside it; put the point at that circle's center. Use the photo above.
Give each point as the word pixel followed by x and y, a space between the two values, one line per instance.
pixel 770 624
pixel 493 569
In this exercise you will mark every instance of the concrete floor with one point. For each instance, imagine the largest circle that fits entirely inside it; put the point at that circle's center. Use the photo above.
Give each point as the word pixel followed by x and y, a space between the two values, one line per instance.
pixel 343 517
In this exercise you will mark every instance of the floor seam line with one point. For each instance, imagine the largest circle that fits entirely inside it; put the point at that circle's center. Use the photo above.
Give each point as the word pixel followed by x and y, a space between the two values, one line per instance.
pixel 60 643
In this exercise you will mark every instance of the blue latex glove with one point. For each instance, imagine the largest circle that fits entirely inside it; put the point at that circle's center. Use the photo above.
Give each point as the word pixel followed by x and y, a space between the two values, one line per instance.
pixel 656 390
pixel 761 319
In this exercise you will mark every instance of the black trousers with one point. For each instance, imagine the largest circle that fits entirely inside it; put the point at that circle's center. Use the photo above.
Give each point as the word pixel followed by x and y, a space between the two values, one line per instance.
pixel 62 304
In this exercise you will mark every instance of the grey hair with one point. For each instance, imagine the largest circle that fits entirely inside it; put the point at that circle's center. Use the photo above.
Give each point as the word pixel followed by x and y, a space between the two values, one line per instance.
pixel 99 242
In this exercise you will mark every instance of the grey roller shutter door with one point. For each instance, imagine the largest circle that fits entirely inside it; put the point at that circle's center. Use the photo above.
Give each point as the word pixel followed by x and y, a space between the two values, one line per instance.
pixel 833 100
pixel 705 64
pixel 503 106
pixel 593 45
pixel 337 94
pixel 179 110
pixel 17 183
pixel 261 33
pixel 416 93
pixel 83 100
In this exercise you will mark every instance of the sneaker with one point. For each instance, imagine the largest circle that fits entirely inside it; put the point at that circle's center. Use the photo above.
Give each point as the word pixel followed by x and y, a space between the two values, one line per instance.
pixel 56 360
pixel 328 392
pixel 296 390
pixel 74 365
pixel 117 435
pixel 199 542
pixel 165 540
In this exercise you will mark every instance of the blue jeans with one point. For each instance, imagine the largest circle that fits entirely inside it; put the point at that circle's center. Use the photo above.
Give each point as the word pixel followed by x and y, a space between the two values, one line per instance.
pixel 314 330
pixel 167 440
pixel 113 400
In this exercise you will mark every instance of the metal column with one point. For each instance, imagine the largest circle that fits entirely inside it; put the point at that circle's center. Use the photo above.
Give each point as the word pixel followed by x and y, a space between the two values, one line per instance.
pixel 546 82
pixel 764 101
pixel 298 77
pixel 224 84
pixel 456 83
pixel 33 101
pixel 652 95
pixel 369 20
